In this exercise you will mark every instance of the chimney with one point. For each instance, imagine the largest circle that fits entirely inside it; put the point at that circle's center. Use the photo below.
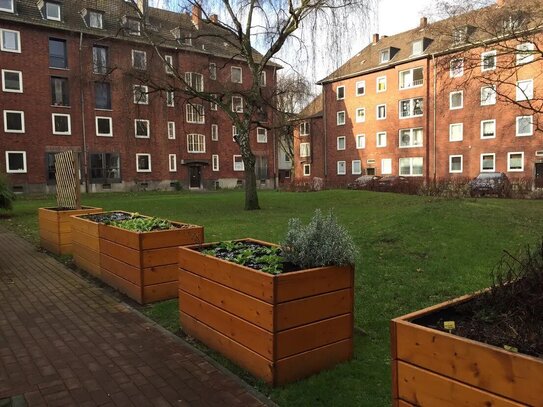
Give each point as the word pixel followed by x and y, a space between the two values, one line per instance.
pixel 500 3
pixel 214 18
pixel 196 15
pixel 423 22
pixel 375 38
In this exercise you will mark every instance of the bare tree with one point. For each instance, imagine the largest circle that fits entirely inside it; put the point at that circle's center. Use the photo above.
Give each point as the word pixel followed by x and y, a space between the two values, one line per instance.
pixel 267 25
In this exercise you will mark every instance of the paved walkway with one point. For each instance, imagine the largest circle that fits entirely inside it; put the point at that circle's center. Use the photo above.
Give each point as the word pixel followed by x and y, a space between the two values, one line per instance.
pixel 65 342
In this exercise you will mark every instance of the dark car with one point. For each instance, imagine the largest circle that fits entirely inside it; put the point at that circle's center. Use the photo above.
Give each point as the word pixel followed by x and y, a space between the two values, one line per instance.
pixel 364 182
pixel 490 183
pixel 392 183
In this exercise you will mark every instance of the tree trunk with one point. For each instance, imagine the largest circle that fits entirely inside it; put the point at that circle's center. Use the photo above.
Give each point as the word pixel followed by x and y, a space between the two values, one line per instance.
pixel 251 196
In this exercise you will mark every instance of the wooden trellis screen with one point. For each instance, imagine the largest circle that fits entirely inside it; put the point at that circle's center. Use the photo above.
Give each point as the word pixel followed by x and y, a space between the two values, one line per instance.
pixel 67 177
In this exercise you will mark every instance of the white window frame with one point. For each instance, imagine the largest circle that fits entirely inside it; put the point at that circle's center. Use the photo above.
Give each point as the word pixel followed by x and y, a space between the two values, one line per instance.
pixel 305 128
pixel 172 168
pixel 342 87
pixel 524 94
pixel 212 71
pixel 386 169
pixel 484 55
pixel 261 137
pixel 493 162
pixel 452 72
pixel 237 107
pixel 531 126
pixel 24 170
pixel 137 51
pixel 483 126
pixel 110 120
pixel 61 133
pixel 235 133
pixel 138 155
pixel 193 116
pixel 377 117
pixel 195 80
pixel 411 138
pixel 9 10
pixel 456 92
pixel 340 164
pixel 411 166
pixel 214 132
pixel 525 53
pixel 136 128
pixel 100 18
pixel 384 55
pixel 198 143
pixel 338 140
pixel 168 66
pixel 358 87
pixel 358 118
pixel 22 113
pixel 359 171
pixel 411 108
pixel 306 168
pixel 58 8
pixel 509 169
pixel 412 84
pixel 263 80
pixel 341 113
pixel 171 130
pixel 377 81
pixel 235 68
pixel 360 141
pixel 144 91
pixel 170 98
pixel 377 138
pixel 492 99
pixel 215 162
pixel 461 125
pixel 305 150
pixel 451 171
pixel 20 74
pixel 2 48
pixel 417 43
pixel 238 166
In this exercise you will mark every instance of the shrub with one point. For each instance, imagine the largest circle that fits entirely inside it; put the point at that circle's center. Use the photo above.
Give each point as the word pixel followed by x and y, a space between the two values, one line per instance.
pixel 6 195
pixel 323 242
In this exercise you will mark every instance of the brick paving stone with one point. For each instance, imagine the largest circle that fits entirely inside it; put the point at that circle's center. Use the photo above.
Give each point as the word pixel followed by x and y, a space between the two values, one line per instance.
pixel 66 342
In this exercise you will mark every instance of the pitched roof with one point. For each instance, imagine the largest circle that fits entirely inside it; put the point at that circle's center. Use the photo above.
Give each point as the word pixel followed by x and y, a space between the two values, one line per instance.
pixel 313 109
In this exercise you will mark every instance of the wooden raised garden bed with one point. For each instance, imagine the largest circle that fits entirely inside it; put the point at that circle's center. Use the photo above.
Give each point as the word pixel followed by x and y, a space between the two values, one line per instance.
pixel 280 328
pixel 56 230
pixel 143 265
pixel 435 368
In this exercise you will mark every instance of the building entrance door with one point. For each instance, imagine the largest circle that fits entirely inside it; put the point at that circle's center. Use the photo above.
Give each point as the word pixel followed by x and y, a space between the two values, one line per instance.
pixel 539 175
pixel 195 174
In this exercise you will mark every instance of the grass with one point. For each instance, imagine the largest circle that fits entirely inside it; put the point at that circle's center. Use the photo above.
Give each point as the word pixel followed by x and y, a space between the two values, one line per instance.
pixel 413 252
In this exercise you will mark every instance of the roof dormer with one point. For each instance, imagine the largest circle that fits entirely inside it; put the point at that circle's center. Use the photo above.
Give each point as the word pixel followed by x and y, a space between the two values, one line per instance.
pixel 131 25
pixel 50 10
pixel 7 6
pixel 418 47
pixel 460 35
pixel 387 54
pixel 93 18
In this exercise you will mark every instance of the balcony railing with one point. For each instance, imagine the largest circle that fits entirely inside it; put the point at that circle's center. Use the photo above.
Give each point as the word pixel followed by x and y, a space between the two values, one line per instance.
pixel 412 84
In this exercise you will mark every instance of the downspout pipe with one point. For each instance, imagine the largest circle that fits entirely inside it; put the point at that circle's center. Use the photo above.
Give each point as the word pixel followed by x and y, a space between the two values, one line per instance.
pixel 434 124
pixel 82 105
pixel 325 128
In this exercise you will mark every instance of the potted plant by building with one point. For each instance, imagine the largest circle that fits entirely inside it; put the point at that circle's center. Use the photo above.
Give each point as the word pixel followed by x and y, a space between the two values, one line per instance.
pixel 282 313
pixel 484 349
pixel 6 195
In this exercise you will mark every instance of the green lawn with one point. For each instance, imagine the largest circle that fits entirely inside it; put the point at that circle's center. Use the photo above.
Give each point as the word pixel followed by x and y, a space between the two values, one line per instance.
pixel 414 252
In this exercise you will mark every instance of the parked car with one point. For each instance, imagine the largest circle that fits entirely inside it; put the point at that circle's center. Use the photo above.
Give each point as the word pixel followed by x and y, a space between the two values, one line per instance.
pixel 392 183
pixel 490 183
pixel 364 182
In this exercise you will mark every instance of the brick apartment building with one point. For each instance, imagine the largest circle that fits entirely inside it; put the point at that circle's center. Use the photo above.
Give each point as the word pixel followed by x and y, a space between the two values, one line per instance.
pixel 442 101
pixel 79 75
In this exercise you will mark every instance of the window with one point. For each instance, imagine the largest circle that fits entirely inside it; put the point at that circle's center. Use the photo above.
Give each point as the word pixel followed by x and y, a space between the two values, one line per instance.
pixel 100 60
pixel 341 168
pixel 104 126
pixel 455 164
pixel 411 167
pixel 102 95
pixel 381 139
pixel 515 162
pixel 133 26
pixel 263 79
pixel 356 167
pixel 15 162
pixel 305 150
pixel 141 128
pixel 360 141
pixel 105 168
pixel 214 132
pixel 170 98
pixel 7 5
pixel 360 88
pixel 168 64
pixel 139 60
pixel 141 95
pixel 196 143
pixel 488 162
pixel 171 130
pixel 460 35
pixel 195 81
pixel 456 132
pixel 340 143
pixel 57 54
pixel 381 84
pixel 96 19
pixel 238 163
pixel 457 68
pixel 213 71
pixel 143 162
pixel 381 112
pixel 411 138
pixel 384 56
pixel 12 81
pixel 340 118
pixel 236 74
pixel 14 121
pixel 307 170
pixel 340 93
pixel 215 162
pixel 525 53
pixel 59 92
pixel 235 133
pixel 488 95
pixel 11 41
pixel 172 160
pixel 488 61
pixel 195 114
pixel 524 126
pixel 386 166
pixel 488 129
pixel 456 100
pixel 411 78
pixel 417 47
pixel 525 90
pixel 237 104
pixel 360 115
pixel 213 105
pixel 261 135
pixel 304 129
pixel 411 108
pixel 52 11
pixel 61 124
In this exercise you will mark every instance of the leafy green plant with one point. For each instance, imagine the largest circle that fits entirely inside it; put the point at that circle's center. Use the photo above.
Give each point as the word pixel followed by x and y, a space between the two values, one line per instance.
pixel 141 224
pixel 6 195
pixel 323 242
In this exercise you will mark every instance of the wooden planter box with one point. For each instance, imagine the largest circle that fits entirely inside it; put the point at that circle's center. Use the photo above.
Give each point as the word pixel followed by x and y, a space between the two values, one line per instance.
pixel 434 368
pixel 280 328
pixel 56 230
pixel 143 265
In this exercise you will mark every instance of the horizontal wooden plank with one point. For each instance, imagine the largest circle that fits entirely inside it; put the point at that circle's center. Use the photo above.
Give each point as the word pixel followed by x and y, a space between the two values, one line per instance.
pixel 79 250
pixel 124 286
pixel 120 236
pixel 49 226
pixel 239 354
pixel 305 364
pixel 48 236
pixel 160 292
pixel 91 267
pixel 65 238
pixel 513 376
pixel 401 403
pixel 65 227
pixel 160 274
pixel 237 329
pixel 47 214
pixel 84 226
pixel 427 389
pixel 65 249
pixel 311 309
pixel 159 257
pixel 121 269
pixel 172 237
pixel 249 308
pixel 120 252
pixel 84 239
pixel 64 216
